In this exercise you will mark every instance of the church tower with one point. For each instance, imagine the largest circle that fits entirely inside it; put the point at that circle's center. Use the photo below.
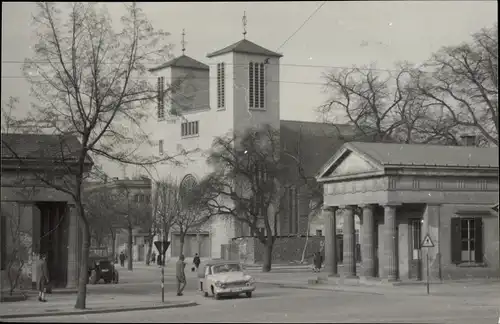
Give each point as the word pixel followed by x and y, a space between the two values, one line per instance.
pixel 244 84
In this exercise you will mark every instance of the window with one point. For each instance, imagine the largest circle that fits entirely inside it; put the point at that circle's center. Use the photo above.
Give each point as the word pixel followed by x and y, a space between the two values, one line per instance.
pixel 3 242
pixel 160 147
pixel 319 233
pixel 467 240
pixel 415 234
pixel 221 103
pixel 189 128
pixel 256 87
pixel 161 97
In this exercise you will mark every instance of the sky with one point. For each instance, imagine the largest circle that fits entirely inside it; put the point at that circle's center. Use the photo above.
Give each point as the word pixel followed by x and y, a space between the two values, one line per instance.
pixel 340 34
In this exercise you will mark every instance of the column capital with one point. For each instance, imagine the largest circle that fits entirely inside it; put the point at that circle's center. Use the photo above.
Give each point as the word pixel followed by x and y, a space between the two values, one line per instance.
pixel 370 206
pixel 329 208
pixel 352 207
pixel 393 205
pixel 71 205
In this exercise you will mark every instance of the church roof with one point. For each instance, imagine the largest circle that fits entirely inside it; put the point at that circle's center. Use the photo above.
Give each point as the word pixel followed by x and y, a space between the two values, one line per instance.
pixel 182 61
pixel 318 141
pixel 245 46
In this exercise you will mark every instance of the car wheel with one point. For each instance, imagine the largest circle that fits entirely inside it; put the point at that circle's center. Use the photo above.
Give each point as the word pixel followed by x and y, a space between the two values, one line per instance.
pixel 205 294
pixel 107 281
pixel 249 294
pixel 216 296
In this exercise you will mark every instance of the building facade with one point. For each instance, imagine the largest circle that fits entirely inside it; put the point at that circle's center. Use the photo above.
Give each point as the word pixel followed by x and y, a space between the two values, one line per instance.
pixel 404 193
pixel 36 218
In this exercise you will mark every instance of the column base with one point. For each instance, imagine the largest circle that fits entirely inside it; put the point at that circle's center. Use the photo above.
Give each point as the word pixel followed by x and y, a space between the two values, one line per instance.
pixel 351 277
pixel 333 275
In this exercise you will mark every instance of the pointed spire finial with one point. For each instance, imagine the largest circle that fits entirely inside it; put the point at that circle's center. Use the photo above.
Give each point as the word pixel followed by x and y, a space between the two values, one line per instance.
pixel 244 20
pixel 183 41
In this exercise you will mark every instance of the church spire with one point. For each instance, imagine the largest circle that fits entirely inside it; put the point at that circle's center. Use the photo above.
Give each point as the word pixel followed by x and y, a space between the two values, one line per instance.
pixel 183 41
pixel 244 21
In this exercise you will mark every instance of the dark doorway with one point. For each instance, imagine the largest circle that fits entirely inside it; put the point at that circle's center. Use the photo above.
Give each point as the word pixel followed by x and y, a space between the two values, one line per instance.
pixel 54 240
pixel 415 231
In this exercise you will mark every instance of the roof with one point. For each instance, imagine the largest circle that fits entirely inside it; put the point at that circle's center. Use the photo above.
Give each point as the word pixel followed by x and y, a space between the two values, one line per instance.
pixel 183 61
pixel 219 261
pixel 40 147
pixel 245 46
pixel 390 154
pixel 318 141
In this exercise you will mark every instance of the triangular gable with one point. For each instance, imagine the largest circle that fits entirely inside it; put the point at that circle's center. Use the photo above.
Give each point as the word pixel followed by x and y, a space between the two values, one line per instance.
pixel 348 162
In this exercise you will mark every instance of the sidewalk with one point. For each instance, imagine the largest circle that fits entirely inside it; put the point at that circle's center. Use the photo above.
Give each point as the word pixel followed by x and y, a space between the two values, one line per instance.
pixel 477 288
pixel 60 306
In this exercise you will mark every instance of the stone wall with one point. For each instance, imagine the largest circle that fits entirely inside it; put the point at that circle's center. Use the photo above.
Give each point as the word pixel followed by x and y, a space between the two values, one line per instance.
pixel 286 249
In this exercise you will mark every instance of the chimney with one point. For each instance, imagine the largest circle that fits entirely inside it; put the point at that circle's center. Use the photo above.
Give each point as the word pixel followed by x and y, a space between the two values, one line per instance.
pixel 468 140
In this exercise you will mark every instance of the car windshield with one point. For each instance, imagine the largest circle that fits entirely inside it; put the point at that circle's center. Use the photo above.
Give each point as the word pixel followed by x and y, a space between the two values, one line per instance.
pixel 228 267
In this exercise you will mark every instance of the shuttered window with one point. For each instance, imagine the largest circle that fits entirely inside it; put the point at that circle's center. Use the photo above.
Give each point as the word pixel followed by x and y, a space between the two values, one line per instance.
pixel 221 86
pixel 256 85
pixel 161 97
pixel 466 240
pixel 190 128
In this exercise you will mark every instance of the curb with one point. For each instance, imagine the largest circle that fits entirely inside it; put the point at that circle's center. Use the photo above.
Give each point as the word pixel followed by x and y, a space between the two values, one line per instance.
pixel 100 311
pixel 321 288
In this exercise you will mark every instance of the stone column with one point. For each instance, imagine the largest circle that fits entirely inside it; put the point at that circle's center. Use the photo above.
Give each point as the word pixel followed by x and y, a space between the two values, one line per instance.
pixel 330 226
pixel 349 242
pixel 368 242
pixel 391 240
pixel 74 247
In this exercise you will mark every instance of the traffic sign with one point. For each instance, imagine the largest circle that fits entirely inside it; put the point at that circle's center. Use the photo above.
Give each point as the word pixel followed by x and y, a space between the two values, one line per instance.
pixel 162 246
pixel 427 242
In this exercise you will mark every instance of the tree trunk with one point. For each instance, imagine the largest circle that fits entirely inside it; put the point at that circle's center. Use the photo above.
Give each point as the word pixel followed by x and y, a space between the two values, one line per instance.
pixel 81 298
pixel 150 249
pixel 181 247
pixel 113 247
pixel 307 240
pixel 268 256
pixel 129 249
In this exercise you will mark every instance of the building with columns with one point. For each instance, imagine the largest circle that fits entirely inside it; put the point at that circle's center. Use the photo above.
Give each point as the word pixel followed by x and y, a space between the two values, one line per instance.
pixel 37 218
pixel 404 192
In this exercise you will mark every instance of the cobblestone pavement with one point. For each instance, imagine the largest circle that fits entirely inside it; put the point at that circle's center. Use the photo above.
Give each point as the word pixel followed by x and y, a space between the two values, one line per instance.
pixel 273 304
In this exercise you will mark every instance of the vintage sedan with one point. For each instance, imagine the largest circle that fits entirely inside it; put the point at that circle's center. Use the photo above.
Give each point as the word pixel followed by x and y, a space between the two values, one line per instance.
pixel 225 278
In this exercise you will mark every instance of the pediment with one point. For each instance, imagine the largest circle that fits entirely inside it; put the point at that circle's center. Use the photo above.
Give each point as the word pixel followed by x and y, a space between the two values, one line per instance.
pixel 349 163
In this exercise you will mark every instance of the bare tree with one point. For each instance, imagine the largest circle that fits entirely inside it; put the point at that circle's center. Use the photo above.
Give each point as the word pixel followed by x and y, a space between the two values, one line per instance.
pixel 88 81
pixel 134 212
pixel 102 215
pixel 461 83
pixel 247 184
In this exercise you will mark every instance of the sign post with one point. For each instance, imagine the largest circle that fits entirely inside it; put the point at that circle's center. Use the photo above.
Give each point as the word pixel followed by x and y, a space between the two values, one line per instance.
pixel 427 243
pixel 162 247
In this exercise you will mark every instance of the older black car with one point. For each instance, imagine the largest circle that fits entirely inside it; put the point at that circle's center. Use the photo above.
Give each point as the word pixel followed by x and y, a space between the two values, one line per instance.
pixel 102 268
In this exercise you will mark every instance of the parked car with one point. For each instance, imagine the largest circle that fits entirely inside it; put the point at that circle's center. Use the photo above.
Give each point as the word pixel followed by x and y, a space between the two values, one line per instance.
pixel 225 278
pixel 102 268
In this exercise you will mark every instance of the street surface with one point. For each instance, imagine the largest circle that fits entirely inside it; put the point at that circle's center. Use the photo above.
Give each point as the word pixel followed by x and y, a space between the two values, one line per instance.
pixel 273 304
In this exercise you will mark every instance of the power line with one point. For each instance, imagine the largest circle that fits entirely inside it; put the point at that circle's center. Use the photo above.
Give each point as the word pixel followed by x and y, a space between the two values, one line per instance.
pixel 303 24
pixel 280 64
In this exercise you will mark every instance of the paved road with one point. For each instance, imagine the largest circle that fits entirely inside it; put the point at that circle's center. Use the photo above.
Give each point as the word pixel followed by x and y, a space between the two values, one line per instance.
pixel 271 304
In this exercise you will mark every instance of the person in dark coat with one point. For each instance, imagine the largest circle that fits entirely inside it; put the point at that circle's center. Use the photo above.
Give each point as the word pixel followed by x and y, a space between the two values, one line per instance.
pixel 42 277
pixel 122 259
pixel 180 275
pixel 153 257
pixel 196 261
pixel 317 262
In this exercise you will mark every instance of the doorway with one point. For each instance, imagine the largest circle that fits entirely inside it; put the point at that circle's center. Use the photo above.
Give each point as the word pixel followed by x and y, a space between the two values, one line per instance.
pixel 415 231
pixel 54 240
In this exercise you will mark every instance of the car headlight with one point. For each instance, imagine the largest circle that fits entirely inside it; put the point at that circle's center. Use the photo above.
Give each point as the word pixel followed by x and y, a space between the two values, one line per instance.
pixel 218 284
pixel 250 281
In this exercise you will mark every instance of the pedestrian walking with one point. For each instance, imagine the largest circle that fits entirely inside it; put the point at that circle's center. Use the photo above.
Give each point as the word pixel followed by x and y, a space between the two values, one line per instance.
pixel 317 262
pixel 180 275
pixel 196 261
pixel 42 280
pixel 122 259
